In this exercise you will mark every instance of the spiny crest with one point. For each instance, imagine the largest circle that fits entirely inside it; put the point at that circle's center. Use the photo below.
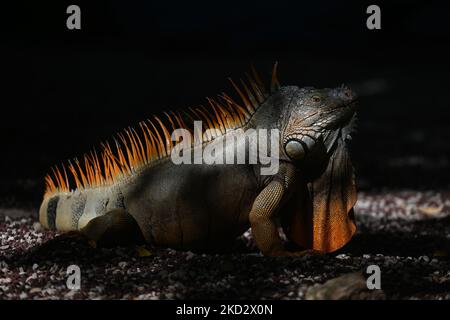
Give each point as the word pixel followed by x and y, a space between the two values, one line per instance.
pixel 132 149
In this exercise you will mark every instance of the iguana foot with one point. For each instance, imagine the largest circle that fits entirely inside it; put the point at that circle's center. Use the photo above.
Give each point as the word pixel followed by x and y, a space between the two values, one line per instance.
pixel 114 228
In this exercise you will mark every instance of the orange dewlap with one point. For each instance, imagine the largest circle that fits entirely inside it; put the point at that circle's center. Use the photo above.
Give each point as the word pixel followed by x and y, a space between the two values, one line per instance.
pixel 322 215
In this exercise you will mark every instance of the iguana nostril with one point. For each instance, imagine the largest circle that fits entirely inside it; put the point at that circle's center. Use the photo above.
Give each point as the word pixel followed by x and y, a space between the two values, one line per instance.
pixel 349 94
pixel 295 150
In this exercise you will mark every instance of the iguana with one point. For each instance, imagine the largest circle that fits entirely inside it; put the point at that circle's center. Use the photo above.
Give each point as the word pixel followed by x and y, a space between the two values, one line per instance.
pixel 133 192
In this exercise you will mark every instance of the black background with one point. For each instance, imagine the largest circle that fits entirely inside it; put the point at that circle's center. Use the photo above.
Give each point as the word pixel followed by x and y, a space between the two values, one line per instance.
pixel 63 91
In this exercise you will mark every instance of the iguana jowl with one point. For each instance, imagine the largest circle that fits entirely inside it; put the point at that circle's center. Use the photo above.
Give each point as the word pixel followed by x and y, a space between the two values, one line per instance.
pixel 133 192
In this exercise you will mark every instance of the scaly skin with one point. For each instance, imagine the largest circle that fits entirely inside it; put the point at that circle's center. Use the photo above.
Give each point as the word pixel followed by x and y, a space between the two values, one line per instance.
pixel 205 207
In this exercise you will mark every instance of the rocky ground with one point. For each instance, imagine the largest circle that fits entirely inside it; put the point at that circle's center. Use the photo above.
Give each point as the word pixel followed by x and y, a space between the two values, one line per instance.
pixel 407 234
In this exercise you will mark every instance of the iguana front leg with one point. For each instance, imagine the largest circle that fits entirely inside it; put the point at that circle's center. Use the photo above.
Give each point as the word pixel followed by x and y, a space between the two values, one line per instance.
pixel 263 216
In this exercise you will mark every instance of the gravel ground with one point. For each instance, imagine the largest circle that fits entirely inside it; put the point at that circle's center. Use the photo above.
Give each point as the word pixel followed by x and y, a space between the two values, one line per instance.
pixel 407 234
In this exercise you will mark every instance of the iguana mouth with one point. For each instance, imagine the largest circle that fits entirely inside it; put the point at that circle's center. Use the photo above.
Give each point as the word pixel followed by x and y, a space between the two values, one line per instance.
pixel 341 126
pixel 341 116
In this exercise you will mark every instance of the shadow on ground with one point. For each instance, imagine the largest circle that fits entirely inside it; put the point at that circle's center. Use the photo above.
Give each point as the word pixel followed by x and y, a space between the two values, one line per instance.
pixel 413 264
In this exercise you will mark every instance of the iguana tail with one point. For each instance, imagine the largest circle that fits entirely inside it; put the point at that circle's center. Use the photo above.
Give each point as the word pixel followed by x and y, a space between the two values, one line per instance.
pixel 72 210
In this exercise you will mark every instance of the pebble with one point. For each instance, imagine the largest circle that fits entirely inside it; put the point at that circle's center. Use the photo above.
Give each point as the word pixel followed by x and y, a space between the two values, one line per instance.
pixel 32 277
pixel 170 295
pixel 70 294
pixel 189 255
pixel 37 227
pixel 35 290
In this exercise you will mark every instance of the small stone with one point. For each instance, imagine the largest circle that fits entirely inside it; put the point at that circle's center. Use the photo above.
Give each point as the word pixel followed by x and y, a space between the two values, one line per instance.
pixel 189 255
pixel 37 227
pixel 169 295
pixel 35 290
pixel 142 251
pixel 347 286
pixel 32 277
pixel 70 294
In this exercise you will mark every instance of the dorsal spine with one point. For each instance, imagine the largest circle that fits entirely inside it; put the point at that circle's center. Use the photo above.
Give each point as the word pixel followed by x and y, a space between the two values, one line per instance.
pixel 133 148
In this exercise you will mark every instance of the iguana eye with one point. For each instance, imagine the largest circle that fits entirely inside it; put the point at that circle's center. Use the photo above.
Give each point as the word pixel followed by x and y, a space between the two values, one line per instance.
pixel 316 99
pixel 295 150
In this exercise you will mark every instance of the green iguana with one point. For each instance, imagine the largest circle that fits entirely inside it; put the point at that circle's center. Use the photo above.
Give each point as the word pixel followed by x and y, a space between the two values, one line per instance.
pixel 133 192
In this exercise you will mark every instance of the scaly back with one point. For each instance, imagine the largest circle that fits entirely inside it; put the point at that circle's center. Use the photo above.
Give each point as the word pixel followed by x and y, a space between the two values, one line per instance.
pixel 133 149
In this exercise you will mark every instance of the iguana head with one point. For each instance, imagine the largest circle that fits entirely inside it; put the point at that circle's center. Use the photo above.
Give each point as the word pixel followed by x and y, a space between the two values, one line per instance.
pixel 315 119
pixel 318 122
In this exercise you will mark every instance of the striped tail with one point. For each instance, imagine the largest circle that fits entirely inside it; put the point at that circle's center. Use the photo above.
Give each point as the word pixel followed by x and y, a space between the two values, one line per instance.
pixel 71 211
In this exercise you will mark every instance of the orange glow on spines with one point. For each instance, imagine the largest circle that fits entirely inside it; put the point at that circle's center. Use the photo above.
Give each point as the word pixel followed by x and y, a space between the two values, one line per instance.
pixel 153 142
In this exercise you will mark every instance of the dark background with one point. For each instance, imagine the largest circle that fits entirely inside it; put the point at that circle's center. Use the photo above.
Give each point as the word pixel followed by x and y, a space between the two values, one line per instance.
pixel 63 91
